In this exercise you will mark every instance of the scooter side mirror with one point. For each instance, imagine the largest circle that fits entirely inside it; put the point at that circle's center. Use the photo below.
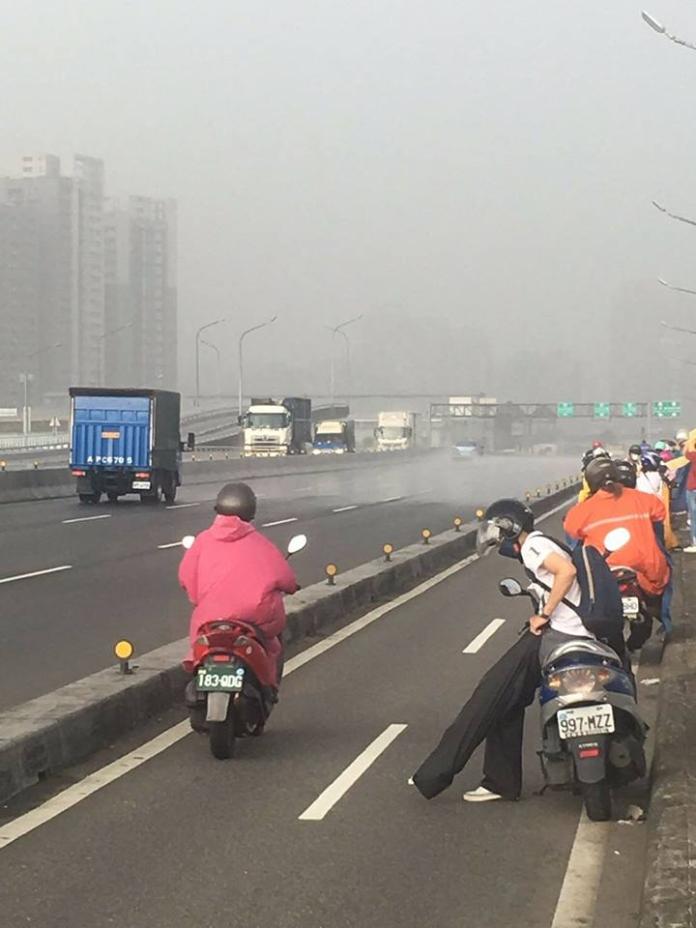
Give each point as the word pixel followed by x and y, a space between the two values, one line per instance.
pixel 296 544
pixel 617 538
pixel 510 587
pixel 187 541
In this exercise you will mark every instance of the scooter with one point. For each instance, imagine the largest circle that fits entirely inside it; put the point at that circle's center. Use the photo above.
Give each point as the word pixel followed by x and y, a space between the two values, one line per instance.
pixel 592 734
pixel 638 613
pixel 233 690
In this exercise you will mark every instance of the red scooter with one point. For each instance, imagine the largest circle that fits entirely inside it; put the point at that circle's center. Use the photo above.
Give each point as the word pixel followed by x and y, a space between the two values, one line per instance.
pixel 233 690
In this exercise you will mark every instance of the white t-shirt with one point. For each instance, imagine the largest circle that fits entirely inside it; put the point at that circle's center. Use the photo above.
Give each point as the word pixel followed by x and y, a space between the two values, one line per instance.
pixel 535 550
pixel 650 482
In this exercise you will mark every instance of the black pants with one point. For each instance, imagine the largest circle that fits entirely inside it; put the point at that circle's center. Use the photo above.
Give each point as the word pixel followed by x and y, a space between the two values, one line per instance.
pixel 495 712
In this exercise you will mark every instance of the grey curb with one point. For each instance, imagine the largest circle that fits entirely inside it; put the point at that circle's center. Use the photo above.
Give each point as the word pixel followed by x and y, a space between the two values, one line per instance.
pixel 669 894
pixel 52 732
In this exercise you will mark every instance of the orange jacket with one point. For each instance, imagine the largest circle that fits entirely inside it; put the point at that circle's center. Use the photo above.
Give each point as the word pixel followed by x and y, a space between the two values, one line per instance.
pixel 593 519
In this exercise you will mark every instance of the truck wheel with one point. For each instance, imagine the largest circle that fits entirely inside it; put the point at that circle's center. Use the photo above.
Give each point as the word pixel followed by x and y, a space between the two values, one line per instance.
pixel 169 490
pixel 597 799
pixel 153 497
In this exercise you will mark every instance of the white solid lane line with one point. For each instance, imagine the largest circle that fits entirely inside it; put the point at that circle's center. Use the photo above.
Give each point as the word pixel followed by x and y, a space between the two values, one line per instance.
pixel 340 786
pixel 182 506
pixel 85 519
pixel 95 781
pixel 578 899
pixel 172 544
pixel 344 509
pixel 279 522
pixel 37 573
pixel 391 499
pixel 475 646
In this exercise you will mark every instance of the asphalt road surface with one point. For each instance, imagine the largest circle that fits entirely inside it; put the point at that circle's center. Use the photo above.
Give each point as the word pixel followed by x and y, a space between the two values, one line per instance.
pixel 314 825
pixel 91 575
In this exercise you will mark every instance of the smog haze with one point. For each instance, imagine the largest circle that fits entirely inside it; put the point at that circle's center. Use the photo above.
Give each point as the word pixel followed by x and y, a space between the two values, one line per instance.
pixel 475 179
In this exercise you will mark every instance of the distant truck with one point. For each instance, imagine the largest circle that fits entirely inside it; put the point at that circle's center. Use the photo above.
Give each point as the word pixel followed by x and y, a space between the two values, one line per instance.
pixel 334 436
pixel 125 441
pixel 395 431
pixel 275 429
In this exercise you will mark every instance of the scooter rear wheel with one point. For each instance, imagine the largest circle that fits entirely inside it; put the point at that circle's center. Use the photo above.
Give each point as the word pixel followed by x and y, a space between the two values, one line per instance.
pixel 597 799
pixel 221 737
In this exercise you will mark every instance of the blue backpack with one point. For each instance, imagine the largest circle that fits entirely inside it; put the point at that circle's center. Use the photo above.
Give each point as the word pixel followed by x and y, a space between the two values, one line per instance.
pixel 600 608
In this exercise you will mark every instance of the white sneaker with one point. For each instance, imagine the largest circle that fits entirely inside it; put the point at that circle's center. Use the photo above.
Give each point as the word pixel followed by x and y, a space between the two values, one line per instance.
pixel 690 550
pixel 480 795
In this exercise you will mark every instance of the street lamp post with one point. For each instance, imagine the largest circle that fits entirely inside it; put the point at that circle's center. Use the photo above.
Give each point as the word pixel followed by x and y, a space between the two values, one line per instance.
pixel 672 287
pixel 26 378
pixel 219 368
pixel 240 349
pixel 658 27
pixel 339 330
pixel 199 332
pixel 103 338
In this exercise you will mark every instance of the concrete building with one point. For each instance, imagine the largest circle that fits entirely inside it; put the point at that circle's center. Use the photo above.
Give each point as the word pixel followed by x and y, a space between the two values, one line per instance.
pixel 141 293
pixel 52 277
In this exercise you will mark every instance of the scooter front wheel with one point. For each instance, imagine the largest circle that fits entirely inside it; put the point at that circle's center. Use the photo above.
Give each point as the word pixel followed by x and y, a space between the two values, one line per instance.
pixel 222 739
pixel 597 799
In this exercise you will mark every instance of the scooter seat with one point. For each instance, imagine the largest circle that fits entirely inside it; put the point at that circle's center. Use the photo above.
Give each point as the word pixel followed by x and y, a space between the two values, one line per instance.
pixel 583 646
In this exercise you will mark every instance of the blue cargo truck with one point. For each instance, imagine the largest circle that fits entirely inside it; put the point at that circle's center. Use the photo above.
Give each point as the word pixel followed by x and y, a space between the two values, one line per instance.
pixel 125 441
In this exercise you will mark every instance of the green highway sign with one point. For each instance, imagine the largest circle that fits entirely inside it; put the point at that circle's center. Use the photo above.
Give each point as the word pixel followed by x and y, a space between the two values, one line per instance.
pixel 666 409
pixel 602 410
pixel 629 410
pixel 565 410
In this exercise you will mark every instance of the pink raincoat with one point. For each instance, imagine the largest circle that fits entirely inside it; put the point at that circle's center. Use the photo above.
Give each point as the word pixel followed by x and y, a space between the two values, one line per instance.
pixel 233 572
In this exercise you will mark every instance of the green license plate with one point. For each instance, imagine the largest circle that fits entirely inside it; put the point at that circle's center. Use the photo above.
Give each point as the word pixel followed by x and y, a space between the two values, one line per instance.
pixel 220 678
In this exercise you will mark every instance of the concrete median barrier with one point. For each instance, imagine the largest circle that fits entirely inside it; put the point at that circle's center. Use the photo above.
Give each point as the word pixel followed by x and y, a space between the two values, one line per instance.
pixel 18 486
pixel 62 728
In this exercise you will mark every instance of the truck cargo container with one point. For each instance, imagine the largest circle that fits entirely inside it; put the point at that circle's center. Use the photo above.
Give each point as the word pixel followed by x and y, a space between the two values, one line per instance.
pixel 125 441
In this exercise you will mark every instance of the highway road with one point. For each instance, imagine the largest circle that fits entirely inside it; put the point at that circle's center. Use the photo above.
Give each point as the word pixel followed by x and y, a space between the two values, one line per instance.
pixel 74 579
pixel 314 825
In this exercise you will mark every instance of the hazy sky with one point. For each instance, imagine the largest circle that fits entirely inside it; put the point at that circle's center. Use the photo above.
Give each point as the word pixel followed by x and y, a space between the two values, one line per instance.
pixel 486 166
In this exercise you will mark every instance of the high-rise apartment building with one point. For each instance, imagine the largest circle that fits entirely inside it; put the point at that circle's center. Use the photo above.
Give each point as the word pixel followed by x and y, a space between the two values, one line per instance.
pixel 54 320
pixel 141 293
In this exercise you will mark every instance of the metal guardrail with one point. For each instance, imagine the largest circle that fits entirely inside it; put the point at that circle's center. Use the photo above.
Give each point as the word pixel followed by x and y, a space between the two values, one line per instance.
pixel 42 442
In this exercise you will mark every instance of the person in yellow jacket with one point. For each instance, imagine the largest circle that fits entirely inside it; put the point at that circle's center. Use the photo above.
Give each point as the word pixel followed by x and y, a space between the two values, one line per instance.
pixel 596 451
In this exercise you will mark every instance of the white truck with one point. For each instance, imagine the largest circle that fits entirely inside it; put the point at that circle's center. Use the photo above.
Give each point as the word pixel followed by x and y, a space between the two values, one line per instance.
pixel 276 429
pixel 395 431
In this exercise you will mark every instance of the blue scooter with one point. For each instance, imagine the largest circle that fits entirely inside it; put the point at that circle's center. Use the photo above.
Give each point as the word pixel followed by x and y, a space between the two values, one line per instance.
pixel 592 734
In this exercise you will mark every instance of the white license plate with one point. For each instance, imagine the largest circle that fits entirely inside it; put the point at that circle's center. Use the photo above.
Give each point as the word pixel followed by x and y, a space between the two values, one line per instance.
pixel 142 485
pixel 585 721
pixel 630 605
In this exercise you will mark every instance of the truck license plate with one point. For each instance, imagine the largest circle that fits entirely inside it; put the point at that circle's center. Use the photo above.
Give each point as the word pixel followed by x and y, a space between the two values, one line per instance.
pixel 630 605
pixel 585 721
pixel 142 485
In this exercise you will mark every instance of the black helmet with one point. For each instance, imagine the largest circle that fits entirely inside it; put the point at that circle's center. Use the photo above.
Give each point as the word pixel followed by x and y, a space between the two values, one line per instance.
pixel 236 499
pixel 627 473
pixel 601 474
pixel 504 520
pixel 635 451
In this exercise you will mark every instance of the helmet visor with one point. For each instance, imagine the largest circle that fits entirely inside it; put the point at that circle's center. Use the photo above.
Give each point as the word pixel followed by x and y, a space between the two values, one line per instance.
pixel 489 535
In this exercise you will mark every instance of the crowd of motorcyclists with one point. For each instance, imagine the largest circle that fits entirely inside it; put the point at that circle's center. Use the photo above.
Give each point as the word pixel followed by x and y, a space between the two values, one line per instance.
pixel 636 494
pixel 233 571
